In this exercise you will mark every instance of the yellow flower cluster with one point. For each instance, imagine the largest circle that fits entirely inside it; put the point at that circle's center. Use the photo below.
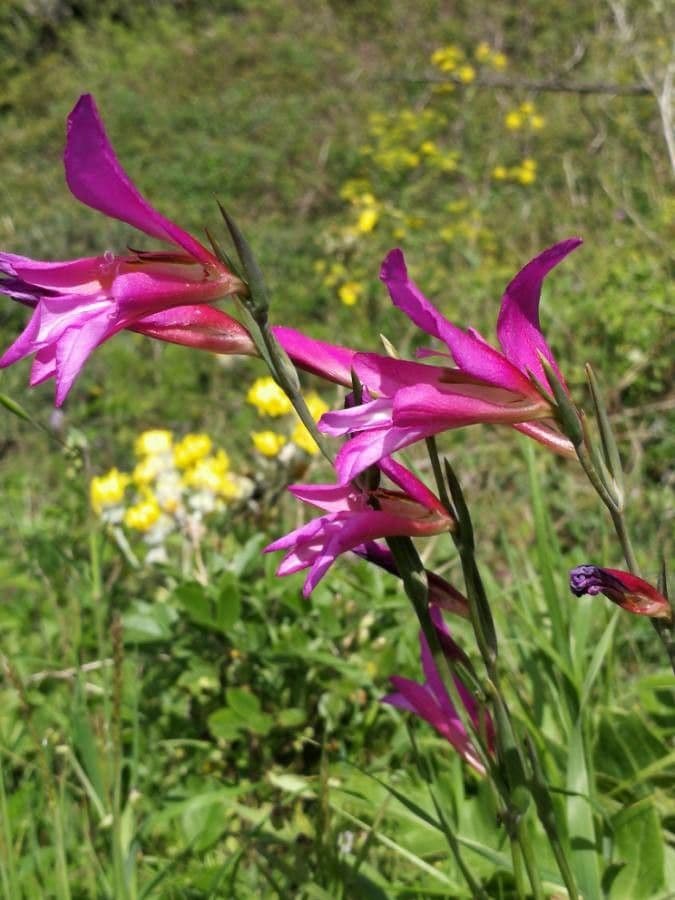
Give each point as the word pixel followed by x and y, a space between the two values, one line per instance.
pixel 524 116
pixel 191 449
pixel 270 443
pixel 399 139
pixel 212 473
pixel 173 482
pixel 452 60
pixel 525 173
pixel 448 58
pixel 268 398
pixel 484 53
pixel 153 442
pixel 143 515
pixel 107 491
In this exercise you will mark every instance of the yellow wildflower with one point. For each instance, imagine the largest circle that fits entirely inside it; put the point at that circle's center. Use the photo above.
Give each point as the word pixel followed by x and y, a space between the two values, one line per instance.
pixel 530 164
pixel 366 199
pixel 526 176
pixel 350 292
pixel 146 470
pixel 304 440
pixel 143 515
pixel 527 108
pixel 482 52
pixel 268 398
pixel 448 163
pixel 221 462
pixel 210 474
pixel 447 58
pixel 537 122
pixel 466 74
pixel 269 443
pixel 367 220
pixel 156 440
pixel 429 148
pixel 447 233
pixel 499 60
pixel 499 173
pixel 190 449
pixel 513 120
pixel 107 490
pixel 229 488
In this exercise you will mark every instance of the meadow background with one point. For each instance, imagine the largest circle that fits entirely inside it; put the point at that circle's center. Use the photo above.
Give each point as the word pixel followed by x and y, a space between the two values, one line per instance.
pixel 196 729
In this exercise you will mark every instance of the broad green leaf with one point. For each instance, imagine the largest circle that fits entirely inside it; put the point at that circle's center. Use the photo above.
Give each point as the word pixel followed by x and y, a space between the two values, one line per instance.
pixel 585 857
pixel 244 703
pixel 639 845
pixel 204 818
pixel 147 622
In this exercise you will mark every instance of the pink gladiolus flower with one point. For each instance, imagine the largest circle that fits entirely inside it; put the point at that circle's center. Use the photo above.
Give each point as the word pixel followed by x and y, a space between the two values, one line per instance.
pixel 628 591
pixel 354 517
pixel 411 400
pixel 78 304
pixel 431 702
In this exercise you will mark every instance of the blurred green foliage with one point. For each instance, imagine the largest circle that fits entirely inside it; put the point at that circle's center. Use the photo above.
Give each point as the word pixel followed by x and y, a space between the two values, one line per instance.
pixel 225 739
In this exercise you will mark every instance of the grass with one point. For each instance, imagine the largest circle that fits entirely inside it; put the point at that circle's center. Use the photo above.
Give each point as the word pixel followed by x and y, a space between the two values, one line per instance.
pixel 164 737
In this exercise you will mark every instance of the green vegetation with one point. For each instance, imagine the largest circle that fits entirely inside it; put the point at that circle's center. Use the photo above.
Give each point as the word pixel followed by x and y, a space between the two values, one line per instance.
pixel 195 728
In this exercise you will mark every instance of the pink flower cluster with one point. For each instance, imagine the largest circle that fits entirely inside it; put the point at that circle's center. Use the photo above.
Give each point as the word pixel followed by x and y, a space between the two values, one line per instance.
pixel 170 294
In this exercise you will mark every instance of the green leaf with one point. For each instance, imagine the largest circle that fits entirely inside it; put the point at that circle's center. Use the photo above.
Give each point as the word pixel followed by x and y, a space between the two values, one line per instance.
pixel 638 841
pixel 204 819
pixel 291 717
pixel 242 702
pixel 224 724
pixel 217 612
pixel 146 623
pixel 585 858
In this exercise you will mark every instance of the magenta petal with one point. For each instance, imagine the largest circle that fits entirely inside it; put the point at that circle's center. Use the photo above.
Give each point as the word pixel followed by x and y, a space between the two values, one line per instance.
pixel 72 276
pixel 411 485
pixel 367 416
pixel 329 497
pixel 419 699
pixel 73 350
pixel 330 361
pixel 472 354
pixel 24 345
pixel 96 178
pixel 518 326
pixel 44 366
pixel 200 326
pixel 370 447
pixel 384 375
pixel 437 410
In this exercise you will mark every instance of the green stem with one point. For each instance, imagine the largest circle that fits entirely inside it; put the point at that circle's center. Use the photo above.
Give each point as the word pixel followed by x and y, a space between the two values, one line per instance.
pixel 526 846
pixel 619 523
pixel 476 890
pixel 518 872
pixel 286 375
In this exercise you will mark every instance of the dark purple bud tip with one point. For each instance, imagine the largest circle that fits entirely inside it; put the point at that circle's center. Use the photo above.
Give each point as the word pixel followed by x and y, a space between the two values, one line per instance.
pixel 586 580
